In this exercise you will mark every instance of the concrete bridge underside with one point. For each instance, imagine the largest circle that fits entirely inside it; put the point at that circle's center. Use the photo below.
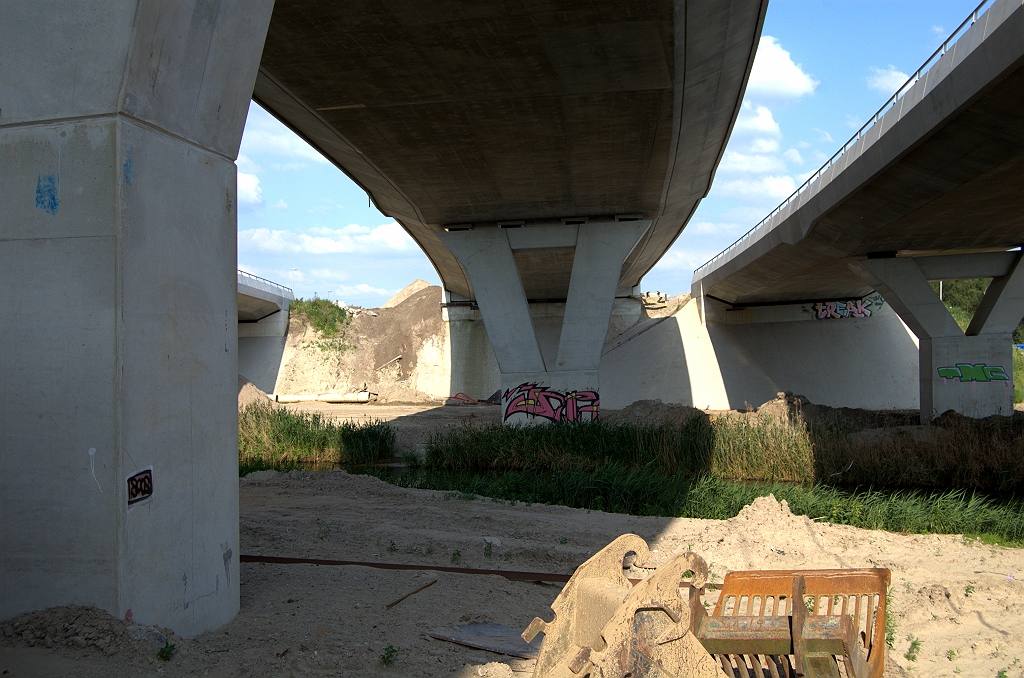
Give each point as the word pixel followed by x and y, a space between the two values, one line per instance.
pixel 593 129
pixel 931 191
pixel 119 127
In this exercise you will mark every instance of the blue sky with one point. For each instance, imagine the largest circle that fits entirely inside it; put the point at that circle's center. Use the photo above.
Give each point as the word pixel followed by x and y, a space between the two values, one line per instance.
pixel 822 69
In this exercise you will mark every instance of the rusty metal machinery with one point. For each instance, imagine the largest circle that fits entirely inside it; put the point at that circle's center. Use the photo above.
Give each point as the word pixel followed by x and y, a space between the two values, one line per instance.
pixel 607 627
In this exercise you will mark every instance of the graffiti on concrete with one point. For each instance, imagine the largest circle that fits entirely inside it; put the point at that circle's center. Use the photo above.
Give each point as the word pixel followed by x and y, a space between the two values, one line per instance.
pixel 969 372
pixel 539 401
pixel 856 308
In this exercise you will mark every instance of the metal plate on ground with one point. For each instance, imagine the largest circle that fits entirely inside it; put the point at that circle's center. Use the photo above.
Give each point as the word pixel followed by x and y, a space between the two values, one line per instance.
pixel 491 637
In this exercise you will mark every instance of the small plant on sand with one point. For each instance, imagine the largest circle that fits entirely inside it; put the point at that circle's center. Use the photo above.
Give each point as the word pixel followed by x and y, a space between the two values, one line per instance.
pixel 563 541
pixel 303 648
pixel 890 623
pixel 969 591
pixel 324 533
pixel 488 550
pixel 165 653
pixel 430 547
pixel 392 548
pixel 914 649
pixel 456 557
pixel 388 656
pixel 950 655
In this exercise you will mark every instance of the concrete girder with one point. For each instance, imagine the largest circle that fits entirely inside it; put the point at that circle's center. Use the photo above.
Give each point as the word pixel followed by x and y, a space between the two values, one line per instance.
pixel 535 389
pixel 118 424
pixel 970 373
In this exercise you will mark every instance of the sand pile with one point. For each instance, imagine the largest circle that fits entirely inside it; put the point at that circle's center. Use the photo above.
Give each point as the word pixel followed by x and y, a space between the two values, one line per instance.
pixel 788 406
pixel 651 413
pixel 250 394
pixel 398 353
pixel 406 292
pixel 87 630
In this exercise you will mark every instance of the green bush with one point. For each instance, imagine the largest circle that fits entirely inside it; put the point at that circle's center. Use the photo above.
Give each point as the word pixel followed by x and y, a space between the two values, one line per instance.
pixel 326 317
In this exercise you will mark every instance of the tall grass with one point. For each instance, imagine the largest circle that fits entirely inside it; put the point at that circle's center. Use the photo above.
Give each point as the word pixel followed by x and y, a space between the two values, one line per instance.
pixel 274 437
pixel 645 491
pixel 761 448
pixel 703 468
pixel 957 452
pixel 585 446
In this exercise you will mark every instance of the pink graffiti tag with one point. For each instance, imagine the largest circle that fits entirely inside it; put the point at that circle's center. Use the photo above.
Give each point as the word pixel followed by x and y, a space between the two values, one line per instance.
pixel 842 309
pixel 537 401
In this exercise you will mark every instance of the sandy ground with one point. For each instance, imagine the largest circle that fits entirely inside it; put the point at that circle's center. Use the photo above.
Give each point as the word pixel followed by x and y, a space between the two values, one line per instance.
pixel 960 600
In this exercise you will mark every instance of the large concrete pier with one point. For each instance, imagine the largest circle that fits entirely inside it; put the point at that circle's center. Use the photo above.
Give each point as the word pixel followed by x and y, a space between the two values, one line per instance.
pixel 119 126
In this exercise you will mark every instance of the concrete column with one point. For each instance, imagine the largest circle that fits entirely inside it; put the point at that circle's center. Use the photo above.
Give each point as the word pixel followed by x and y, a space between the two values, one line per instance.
pixel 970 373
pixel 535 390
pixel 119 124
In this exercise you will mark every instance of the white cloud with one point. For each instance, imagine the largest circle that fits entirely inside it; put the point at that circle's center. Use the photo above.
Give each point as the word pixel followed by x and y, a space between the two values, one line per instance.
pixel 280 204
pixel 263 134
pixel 886 80
pixel 823 135
pixel 758 120
pixel 249 192
pixel 712 228
pixel 775 75
pixel 769 187
pixel 245 164
pixel 362 288
pixel 685 260
pixel 938 30
pixel 793 156
pixel 756 164
pixel 350 239
pixel 764 146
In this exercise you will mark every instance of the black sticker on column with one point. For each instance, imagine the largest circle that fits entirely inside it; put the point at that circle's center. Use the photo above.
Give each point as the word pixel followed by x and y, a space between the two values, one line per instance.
pixel 140 486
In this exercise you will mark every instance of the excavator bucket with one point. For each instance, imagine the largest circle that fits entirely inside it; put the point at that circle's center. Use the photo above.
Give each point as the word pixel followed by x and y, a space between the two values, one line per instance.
pixel 608 626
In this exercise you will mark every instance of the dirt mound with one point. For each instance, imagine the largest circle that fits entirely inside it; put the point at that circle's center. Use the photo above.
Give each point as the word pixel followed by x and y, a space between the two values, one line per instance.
pixel 787 406
pixel 652 413
pixel 85 631
pixel 397 353
pixel 406 292
pixel 249 394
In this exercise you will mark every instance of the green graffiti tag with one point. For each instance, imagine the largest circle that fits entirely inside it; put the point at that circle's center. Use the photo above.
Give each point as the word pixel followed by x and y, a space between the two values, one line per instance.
pixel 979 372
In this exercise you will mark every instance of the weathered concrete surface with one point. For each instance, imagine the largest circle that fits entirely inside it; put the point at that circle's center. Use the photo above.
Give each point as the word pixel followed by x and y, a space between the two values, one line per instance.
pixel 970 372
pixel 118 322
pixel 474 112
pixel 941 171
pixel 489 258
pixel 853 362
pixel 867 362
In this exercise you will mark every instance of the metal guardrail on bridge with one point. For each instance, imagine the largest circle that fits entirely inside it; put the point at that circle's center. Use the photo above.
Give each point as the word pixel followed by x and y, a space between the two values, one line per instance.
pixel 264 284
pixel 911 81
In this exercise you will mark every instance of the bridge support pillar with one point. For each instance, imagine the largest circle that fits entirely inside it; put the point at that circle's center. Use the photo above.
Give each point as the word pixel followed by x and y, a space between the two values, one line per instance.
pixel 563 386
pixel 969 372
pixel 118 321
